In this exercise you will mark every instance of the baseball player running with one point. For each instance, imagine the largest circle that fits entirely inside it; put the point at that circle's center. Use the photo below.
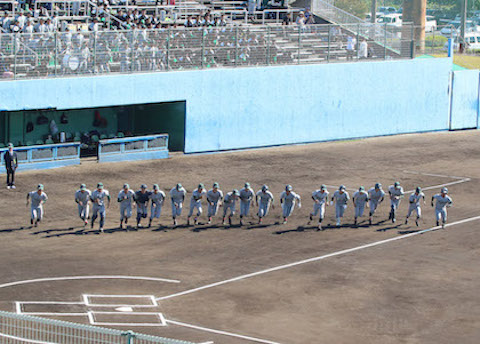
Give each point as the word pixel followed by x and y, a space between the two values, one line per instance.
pixel 125 198
pixel 177 195
pixel 443 201
pixel 287 200
pixel 82 197
pixel 214 199
pixel 98 199
pixel 196 203
pixel 320 199
pixel 247 196
pixel 263 199
pixel 341 198
pixel 396 194
pixel 229 205
pixel 157 197
pixel 376 196
pixel 38 197
pixel 360 200
pixel 415 199
pixel 142 197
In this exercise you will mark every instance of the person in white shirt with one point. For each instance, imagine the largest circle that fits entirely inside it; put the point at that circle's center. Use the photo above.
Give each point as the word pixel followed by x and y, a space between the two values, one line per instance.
pixel 82 197
pixel 196 203
pixel 177 195
pixel 443 201
pixel 38 197
pixel 360 200
pixel 415 201
pixel 363 50
pixel 350 47
pixel 287 200
pixel 41 27
pixel 396 194
pixel 320 199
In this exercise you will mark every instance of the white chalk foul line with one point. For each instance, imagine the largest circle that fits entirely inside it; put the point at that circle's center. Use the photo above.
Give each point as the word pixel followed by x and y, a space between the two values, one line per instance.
pixel 458 181
pixel 24 340
pixel 314 259
pixel 50 279
pixel 230 334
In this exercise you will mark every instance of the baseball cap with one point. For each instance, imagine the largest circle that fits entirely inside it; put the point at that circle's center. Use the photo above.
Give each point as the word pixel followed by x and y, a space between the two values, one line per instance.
pixel 396 184
pixel 179 186
pixel 342 187
pixel 10 145
pixel 40 187
pixel 362 188
pixel 155 187
pixel 83 187
pixel 235 192
pixel 323 187
pixel 288 187
pixel 264 187
pixel 215 185
pixel 444 190
pixel 378 186
pixel 126 186
pixel 100 185
pixel 247 184
pixel 418 189
pixel 200 186
pixel 143 186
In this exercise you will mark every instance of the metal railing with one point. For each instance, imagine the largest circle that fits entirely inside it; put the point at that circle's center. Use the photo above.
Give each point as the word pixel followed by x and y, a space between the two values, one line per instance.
pixel 19 328
pixel 60 54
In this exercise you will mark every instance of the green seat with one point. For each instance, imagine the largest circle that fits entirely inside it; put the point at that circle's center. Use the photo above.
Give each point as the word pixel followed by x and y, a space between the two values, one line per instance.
pixel 2 145
pixel 120 134
pixel 111 136
pixel 29 143
pixel 76 139
pixel 95 138
pixel 39 142
pixel 49 142
pixel 103 137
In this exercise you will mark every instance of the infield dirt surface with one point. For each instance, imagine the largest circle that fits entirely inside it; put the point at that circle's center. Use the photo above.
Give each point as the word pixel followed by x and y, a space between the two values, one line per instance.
pixel 422 289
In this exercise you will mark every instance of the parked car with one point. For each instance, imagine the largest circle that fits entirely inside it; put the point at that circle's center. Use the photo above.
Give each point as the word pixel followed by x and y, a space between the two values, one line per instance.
pixel 387 10
pixel 472 41
pixel 453 28
pixel 430 24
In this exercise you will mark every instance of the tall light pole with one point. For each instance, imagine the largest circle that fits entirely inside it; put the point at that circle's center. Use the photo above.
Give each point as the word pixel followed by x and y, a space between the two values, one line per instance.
pixel 463 25
pixel 374 12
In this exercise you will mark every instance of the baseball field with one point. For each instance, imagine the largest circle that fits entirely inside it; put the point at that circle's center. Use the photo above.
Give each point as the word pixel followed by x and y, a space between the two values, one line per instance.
pixel 269 283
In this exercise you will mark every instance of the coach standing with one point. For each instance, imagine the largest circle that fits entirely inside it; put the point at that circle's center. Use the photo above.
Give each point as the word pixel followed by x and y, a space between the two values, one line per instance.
pixel 11 164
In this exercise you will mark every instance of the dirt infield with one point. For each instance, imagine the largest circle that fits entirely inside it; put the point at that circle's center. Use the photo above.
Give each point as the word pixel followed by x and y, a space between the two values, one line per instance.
pixel 420 289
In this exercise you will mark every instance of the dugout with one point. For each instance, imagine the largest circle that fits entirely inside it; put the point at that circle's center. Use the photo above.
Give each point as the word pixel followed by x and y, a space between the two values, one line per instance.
pixel 35 127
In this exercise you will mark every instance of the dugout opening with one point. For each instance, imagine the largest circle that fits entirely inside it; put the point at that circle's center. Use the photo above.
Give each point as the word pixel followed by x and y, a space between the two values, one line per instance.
pixel 88 125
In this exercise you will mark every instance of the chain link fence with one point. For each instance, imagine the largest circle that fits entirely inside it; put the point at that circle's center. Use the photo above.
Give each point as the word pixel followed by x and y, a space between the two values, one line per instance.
pixel 59 54
pixel 19 328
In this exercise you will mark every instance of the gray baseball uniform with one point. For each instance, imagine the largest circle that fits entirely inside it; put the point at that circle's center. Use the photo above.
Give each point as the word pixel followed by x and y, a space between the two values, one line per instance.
pixel 246 197
pixel 141 199
pixel 441 205
pixel 196 201
pixel 214 199
pixel 264 200
pixel 376 197
pixel 321 199
pixel 98 199
pixel 177 197
pixel 288 203
pixel 414 203
pixel 82 198
pixel 126 202
pixel 36 207
pixel 229 203
pixel 395 196
pixel 360 198
pixel 341 200
pixel 157 199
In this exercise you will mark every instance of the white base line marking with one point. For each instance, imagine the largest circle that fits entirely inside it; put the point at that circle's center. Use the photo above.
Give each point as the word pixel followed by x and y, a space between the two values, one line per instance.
pixel 24 340
pixel 151 298
pixel 253 339
pixel 5 285
pixel 461 180
pixel 162 322
pixel 314 259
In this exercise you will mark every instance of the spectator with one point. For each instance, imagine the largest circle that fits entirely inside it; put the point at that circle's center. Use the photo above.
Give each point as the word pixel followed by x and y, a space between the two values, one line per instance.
pixel 287 19
pixel 309 18
pixel 11 164
pixel 350 47
pixel 41 27
pixel 363 50
pixel 301 20
pixel 222 21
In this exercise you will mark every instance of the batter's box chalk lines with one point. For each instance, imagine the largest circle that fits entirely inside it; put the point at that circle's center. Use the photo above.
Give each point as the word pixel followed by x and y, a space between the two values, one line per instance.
pixel 230 334
pixel 314 259
pixel 69 278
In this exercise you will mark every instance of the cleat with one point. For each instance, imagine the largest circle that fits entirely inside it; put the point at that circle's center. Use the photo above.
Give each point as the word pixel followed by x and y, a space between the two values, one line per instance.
pixel 319 227
pixel 13 187
pixel 195 221
pixel 338 223
pixel 9 187
pixel 443 226
pixel 31 222
pixel 188 222
pixel 406 221
pixel 230 221
pixel 36 224
pixel 394 220
pixel 416 222
pixel 126 220
pixel 370 222
pixel 259 220
pixel 149 223
pixel 174 222
pixel 91 225
pixel 438 224
pixel 355 222
pixel 284 222
pixel 241 222
pixel 101 229
pixel 209 222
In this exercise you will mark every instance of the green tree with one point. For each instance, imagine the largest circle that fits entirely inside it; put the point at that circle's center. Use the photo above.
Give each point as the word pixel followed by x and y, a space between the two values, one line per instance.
pixel 356 7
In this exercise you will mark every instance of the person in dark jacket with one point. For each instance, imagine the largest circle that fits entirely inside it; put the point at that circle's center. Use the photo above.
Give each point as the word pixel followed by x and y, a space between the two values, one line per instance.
pixel 11 164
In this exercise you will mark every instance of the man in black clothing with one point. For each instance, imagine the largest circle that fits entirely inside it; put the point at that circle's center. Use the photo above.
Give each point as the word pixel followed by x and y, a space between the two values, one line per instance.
pixel 11 164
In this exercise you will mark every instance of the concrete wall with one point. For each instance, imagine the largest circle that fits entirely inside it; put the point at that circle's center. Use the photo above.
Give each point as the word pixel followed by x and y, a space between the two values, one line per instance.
pixel 253 107
pixel 465 99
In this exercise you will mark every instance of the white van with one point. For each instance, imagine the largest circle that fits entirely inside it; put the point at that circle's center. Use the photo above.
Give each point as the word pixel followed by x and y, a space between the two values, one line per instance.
pixel 472 40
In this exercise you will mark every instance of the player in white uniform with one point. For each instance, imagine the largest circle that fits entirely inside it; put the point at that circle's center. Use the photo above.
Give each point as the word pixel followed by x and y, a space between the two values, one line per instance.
pixel 341 198
pixel 177 195
pixel 157 197
pixel 229 204
pixel 98 199
pixel 287 200
pixel 320 199
pixel 82 197
pixel 38 197
pixel 360 200
pixel 214 199
pixel 415 200
pixel 263 199
pixel 396 194
pixel 196 203
pixel 443 201
pixel 247 196
pixel 125 198
pixel 376 196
